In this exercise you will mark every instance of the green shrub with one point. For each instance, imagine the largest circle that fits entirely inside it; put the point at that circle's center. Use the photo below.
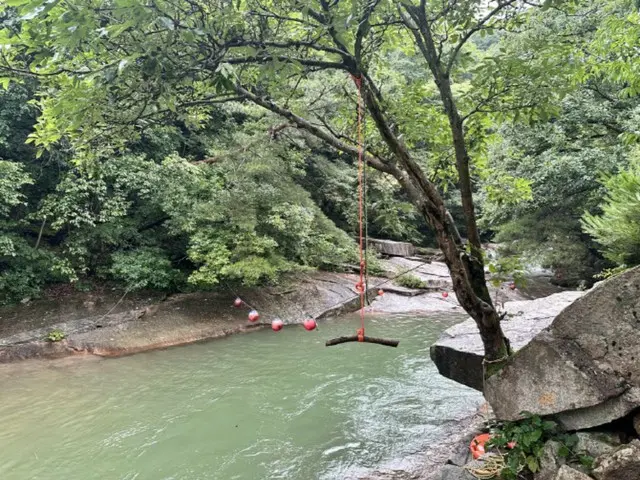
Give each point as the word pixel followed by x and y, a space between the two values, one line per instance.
pixel 56 336
pixel 409 280
pixel 143 268
pixel 617 228
pixel 24 270
pixel 522 443
pixel 505 268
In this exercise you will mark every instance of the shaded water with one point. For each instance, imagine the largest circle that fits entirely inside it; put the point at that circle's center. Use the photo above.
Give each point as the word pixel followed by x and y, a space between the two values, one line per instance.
pixel 257 406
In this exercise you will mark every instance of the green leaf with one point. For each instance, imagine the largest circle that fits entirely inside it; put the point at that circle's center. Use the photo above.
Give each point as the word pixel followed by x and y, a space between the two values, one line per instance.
pixel 564 451
pixel 167 22
pixel 535 436
pixel 532 463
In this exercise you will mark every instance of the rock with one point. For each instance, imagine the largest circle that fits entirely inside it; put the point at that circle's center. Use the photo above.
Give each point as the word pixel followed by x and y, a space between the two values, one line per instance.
pixel 568 473
pixel 636 423
pixel 395 249
pixel 458 352
pixel 585 368
pixel 461 453
pixel 596 444
pixel 550 461
pixel 453 472
pixel 621 464
pixel 601 414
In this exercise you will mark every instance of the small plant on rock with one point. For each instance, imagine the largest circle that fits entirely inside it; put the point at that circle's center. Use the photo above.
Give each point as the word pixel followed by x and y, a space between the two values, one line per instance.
pixel 56 336
pixel 408 280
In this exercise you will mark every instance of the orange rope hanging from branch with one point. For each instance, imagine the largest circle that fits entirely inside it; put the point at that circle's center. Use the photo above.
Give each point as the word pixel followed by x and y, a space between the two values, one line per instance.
pixel 363 265
pixel 360 286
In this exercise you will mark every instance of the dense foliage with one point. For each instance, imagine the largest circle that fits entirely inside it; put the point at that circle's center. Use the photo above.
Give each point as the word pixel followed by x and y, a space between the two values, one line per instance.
pixel 138 145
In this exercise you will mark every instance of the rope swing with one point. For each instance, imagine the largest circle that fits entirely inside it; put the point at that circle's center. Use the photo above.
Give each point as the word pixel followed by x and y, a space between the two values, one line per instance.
pixel 361 286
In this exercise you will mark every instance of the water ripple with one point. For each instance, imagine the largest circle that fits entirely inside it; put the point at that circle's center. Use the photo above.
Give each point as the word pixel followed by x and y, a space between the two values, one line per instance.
pixel 259 406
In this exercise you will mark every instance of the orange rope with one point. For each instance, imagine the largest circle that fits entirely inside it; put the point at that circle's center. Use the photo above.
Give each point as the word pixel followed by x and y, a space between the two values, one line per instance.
pixel 360 287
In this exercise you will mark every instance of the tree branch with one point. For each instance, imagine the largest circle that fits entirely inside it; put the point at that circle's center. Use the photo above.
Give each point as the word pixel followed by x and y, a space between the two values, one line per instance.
pixel 283 58
pixel 376 162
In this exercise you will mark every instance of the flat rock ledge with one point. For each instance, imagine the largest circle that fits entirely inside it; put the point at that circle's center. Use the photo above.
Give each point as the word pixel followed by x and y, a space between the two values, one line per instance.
pixel 182 319
pixel 458 352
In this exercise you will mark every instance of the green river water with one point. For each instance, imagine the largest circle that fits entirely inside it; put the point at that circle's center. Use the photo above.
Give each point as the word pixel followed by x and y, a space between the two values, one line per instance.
pixel 259 406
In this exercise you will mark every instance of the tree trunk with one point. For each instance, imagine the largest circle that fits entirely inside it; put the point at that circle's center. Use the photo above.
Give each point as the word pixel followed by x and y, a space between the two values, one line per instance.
pixel 466 268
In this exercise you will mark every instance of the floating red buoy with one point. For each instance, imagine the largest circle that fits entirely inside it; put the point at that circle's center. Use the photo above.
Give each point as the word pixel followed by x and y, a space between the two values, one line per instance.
pixel 277 325
pixel 380 292
pixel 512 286
pixel 445 294
pixel 253 316
pixel 309 324
pixel 477 445
pixel 238 302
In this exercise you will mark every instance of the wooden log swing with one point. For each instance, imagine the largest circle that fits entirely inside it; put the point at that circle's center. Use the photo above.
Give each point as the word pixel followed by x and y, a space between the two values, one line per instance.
pixel 360 337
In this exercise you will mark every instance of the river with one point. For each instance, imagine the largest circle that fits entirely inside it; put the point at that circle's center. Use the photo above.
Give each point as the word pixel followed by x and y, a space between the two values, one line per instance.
pixel 258 406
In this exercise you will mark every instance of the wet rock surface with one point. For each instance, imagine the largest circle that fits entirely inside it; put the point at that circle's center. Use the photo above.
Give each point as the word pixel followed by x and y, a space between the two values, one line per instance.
pixel 585 368
pixel 108 323
pixel 177 320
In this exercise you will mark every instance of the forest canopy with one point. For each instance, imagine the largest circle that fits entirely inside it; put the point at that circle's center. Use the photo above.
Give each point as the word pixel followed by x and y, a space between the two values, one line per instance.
pixel 179 144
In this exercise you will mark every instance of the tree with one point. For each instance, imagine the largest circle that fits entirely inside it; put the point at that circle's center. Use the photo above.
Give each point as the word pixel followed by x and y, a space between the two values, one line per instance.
pixel 617 228
pixel 559 158
pixel 111 69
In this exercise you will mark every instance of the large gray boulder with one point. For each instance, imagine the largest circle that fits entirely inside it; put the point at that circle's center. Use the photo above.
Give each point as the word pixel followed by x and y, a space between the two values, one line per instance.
pixel 458 353
pixel 622 464
pixel 585 368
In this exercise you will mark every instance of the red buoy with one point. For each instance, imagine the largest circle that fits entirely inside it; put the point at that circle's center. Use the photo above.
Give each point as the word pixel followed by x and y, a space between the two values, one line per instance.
pixel 277 325
pixel 380 292
pixel 253 316
pixel 309 324
pixel 238 302
pixel 512 286
pixel 445 294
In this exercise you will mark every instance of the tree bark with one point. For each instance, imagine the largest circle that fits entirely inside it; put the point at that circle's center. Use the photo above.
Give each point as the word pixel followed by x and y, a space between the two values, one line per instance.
pixel 467 270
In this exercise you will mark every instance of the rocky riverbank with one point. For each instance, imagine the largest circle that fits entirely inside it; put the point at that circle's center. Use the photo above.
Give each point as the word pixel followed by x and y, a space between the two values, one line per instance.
pixel 105 323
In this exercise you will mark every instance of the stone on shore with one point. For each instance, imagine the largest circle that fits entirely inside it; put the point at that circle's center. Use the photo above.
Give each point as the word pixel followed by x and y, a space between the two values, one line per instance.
pixel 585 368
pixel 458 352
pixel 391 248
